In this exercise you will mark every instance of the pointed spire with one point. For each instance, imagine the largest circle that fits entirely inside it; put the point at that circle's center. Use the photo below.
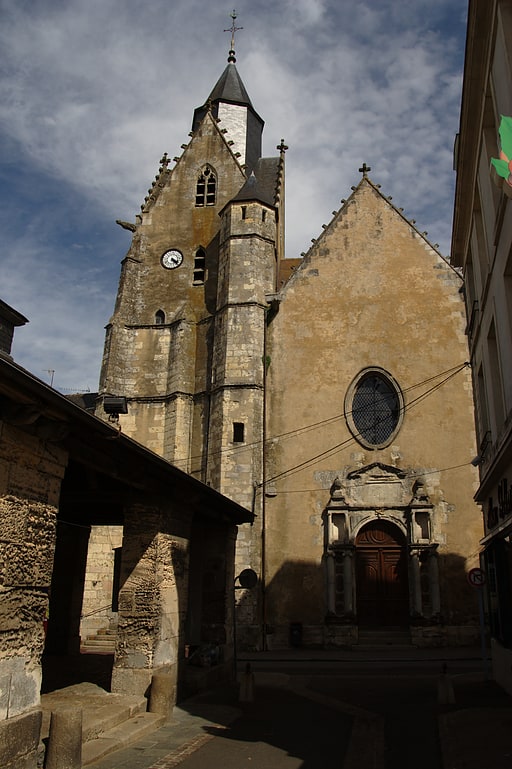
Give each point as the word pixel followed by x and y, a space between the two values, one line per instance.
pixel 223 104
pixel 232 29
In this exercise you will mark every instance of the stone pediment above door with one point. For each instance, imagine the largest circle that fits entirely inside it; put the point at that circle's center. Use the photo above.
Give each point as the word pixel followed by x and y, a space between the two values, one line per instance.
pixel 375 485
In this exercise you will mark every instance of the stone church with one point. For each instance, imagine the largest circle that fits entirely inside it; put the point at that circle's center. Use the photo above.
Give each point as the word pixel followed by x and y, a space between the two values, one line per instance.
pixel 329 395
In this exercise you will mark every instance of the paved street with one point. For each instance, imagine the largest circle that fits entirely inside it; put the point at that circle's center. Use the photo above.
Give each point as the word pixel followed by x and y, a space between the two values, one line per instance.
pixel 351 713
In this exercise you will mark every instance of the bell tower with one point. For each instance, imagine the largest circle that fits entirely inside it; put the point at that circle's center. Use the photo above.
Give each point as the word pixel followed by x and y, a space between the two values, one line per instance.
pixel 185 343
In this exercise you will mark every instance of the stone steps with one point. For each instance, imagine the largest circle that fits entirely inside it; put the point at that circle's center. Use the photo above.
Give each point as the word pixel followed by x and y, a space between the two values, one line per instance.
pixel 374 638
pixel 120 736
pixel 109 721
pixel 101 642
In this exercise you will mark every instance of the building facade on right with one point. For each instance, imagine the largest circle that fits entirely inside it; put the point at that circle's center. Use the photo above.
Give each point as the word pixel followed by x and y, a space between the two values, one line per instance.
pixel 482 247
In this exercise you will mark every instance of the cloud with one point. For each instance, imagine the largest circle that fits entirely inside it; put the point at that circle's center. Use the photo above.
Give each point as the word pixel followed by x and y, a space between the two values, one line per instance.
pixel 93 93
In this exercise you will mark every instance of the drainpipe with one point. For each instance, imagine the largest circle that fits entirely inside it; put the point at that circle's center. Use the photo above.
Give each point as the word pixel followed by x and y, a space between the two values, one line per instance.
pixel 263 497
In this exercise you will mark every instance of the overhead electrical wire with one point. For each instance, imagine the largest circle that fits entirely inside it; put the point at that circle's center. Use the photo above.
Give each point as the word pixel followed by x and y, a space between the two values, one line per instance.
pixel 451 372
pixel 335 449
pixel 407 475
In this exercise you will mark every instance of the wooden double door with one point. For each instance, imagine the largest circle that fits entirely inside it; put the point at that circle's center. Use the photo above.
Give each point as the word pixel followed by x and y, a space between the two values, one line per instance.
pixel 382 590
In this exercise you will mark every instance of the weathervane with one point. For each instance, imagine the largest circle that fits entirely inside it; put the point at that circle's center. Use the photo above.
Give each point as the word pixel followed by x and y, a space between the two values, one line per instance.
pixel 232 29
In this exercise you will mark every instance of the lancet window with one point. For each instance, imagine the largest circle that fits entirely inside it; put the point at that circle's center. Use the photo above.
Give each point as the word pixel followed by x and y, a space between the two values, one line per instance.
pixel 206 189
pixel 199 267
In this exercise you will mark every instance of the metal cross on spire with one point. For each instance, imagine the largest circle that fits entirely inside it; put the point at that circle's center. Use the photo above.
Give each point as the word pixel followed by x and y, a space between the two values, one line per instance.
pixel 232 29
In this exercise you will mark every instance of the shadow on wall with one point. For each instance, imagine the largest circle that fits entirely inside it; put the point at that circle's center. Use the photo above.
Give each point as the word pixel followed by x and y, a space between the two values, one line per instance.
pixel 297 593
pixel 165 597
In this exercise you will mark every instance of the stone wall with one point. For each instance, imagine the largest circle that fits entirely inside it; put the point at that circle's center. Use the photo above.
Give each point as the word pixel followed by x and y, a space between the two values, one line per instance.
pixel 31 471
pixel 97 609
pixel 371 294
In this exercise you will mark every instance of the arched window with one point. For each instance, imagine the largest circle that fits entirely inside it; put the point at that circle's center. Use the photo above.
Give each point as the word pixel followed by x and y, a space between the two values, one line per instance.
pixel 199 267
pixel 206 189
pixel 159 317
pixel 374 408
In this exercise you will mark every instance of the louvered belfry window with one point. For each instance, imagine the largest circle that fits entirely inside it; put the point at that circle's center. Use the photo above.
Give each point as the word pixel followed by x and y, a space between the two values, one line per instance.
pixel 206 189
pixel 199 267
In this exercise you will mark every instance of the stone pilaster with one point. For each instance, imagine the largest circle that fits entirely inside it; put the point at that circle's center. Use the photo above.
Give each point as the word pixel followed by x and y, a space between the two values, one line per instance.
pixel 415 582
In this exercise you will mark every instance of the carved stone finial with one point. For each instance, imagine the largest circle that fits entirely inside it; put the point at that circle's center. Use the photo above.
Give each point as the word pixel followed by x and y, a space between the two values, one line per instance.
pixel 419 492
pixel 364 170
pixel 338 490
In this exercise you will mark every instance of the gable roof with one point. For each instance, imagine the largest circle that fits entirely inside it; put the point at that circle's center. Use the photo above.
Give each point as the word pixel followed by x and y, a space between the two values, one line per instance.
pixel 366 181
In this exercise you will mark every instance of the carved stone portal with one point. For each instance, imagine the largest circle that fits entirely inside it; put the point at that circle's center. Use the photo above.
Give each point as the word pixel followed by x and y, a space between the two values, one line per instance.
pixel 381 563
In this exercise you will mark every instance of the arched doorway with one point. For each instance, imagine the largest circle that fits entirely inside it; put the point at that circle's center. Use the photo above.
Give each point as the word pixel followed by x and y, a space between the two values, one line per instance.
pixel 381 576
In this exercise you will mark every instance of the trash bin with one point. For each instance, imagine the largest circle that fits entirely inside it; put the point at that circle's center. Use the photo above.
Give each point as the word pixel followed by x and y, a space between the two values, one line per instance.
pixel 296 634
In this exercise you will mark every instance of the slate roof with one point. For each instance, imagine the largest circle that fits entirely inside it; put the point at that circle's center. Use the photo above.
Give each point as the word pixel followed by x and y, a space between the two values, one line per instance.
pixel 262 183
pixel 229 87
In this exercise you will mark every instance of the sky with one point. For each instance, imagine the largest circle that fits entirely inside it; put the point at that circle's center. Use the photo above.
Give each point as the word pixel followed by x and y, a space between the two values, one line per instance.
pixel 93 92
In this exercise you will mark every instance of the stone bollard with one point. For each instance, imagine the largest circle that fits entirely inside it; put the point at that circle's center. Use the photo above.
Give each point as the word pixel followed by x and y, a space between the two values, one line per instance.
pixel 247 685
pixel 445 693
pixel 64 749
pixel 161 698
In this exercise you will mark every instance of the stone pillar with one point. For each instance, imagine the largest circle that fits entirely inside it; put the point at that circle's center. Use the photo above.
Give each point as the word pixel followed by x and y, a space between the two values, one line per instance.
pixel 348 581
pixel 30 483
pixel 69 564
pixel 152 599
pixel 415 578
pixel 433 573
pixel 331 583
pixel 65 739
pixel 161 696
pixel 26 553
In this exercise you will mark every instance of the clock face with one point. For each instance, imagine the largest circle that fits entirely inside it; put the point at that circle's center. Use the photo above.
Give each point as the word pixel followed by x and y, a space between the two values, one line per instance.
pixel 172 259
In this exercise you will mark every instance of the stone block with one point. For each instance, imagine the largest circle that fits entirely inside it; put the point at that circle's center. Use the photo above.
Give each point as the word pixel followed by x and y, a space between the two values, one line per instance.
pixel 24 693
pixel 19 740
pixel 132 680
pixel 5 687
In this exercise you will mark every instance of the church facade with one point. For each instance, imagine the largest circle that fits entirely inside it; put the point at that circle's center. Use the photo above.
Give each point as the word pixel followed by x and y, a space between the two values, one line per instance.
pixel 329 395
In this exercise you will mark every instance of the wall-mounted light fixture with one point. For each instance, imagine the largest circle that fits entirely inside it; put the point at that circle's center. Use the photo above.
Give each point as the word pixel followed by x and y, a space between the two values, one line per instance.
pixel 113 405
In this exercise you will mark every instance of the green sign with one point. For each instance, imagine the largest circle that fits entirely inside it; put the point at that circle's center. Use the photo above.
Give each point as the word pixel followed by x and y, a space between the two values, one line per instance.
pixel 503 165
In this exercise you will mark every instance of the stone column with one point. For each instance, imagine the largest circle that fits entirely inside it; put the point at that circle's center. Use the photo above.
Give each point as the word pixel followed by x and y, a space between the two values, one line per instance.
pixel 415 577
pixel 331 583
pixel 433 573
pixel 26 554
pixel 348 581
